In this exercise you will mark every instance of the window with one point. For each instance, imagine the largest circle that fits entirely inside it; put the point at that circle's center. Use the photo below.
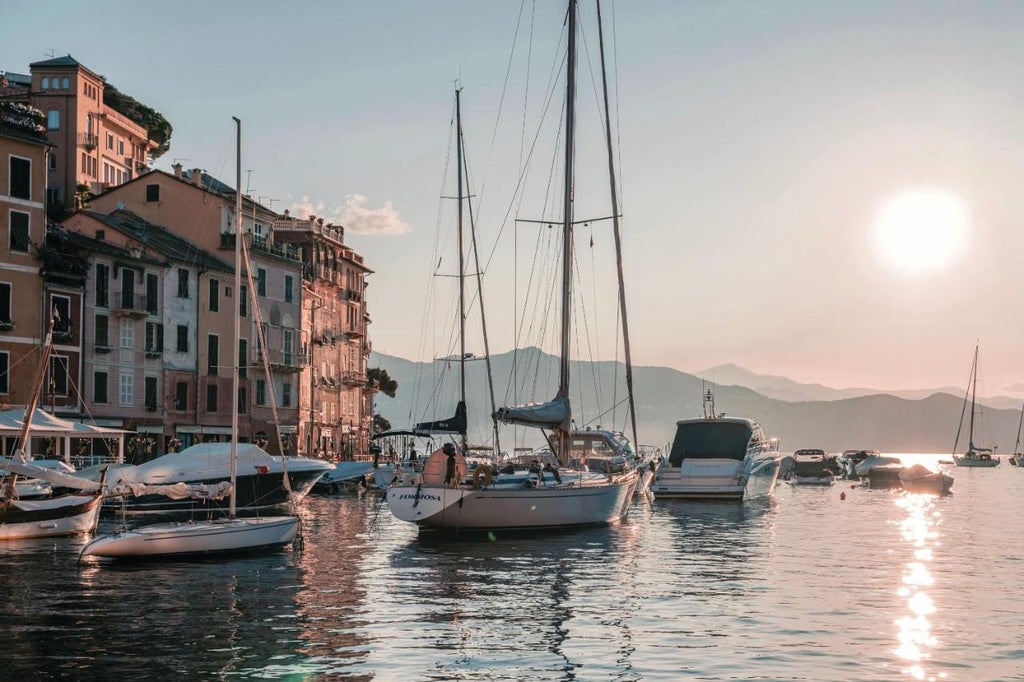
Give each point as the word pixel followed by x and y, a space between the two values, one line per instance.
pixel 243 362
pixel 181 396
pixel 99 387
pixel 261 282
pixel 214 295
pixel 102 337
pixel 182 346
pixel 5 366
pixel 53 119
pixel 261 391
pixel 286 395
pixel 19 232
pixel 45 84
pixel 51 159
pixel 5 302
pixel 127 334
pixel 64 83
pixel 154 337
pixel 288 347
pixel 287 288
pixel 120 147
pixel 128 289
pixel 150 393
pixel 243 301
pixel 20 184
pixel 60 307
pixel 182 283
pixel 102 285
pixel 58 379
pixel 211 397
pixel 152 193
pixel 110 142
pixel 127 393
pixel 152 286
pixel 212 354
pixel 242 400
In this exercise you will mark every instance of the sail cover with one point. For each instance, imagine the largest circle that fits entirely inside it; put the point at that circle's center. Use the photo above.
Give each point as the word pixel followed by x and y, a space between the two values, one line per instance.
pixel 552 414
pixel 456 424
pixel 51 476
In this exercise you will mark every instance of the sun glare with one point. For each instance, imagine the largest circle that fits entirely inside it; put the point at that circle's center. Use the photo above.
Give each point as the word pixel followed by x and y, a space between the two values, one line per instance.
pixel 922 230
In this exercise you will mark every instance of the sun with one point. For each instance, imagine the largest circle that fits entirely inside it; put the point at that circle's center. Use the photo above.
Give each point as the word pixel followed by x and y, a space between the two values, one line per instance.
pixel 922 230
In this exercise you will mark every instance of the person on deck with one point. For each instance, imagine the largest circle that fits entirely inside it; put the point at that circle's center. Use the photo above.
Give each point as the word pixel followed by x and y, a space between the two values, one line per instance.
pixel 449 469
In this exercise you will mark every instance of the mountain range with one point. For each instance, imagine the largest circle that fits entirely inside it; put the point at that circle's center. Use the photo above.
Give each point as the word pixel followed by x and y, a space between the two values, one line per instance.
pixel 800 415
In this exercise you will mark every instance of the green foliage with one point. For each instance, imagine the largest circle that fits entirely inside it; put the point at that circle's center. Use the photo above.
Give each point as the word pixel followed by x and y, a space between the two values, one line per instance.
pixel 153 121
pixel 380 424
pixel 379 378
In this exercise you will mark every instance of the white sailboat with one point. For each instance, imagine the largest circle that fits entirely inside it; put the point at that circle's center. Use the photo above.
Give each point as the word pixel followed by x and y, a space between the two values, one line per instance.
pixel 439 497
pixel 217 536
pixel 1017 458
pixel 51 516
pixel 975 456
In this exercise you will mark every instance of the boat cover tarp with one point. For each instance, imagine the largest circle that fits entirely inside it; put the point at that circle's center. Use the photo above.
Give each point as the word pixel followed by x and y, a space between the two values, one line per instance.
pixel 456 424
pixel 552 414
pixel 710 439
pixel 175 491
pixel 45 424
pixel 22 467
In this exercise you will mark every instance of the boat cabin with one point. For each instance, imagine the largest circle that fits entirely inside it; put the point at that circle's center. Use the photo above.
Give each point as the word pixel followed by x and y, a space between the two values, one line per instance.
pixel 714 439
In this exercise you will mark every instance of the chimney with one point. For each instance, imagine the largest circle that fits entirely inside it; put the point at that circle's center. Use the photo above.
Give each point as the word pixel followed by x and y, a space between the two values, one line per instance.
pixel 197 177
pixel 177 170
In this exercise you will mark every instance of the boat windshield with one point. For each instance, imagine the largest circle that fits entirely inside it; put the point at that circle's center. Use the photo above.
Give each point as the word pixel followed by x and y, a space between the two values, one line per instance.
pixel 711 439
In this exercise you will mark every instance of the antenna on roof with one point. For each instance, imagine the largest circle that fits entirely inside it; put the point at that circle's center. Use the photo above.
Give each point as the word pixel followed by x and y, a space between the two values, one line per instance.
pixel 248 180
pixel 49 53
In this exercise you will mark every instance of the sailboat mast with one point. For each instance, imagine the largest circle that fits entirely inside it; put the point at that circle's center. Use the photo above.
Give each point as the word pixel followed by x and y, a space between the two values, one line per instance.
pixel 567 215
pixel 618 234
pixel 974 392
pixel 238 322
pixel 462 265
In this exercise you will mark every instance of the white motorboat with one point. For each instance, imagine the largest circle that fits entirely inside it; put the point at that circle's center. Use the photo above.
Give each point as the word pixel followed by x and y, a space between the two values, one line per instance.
pixel 221 536
pixel 864 467
pixel 920 479
pixel 718 458
pixel 813 467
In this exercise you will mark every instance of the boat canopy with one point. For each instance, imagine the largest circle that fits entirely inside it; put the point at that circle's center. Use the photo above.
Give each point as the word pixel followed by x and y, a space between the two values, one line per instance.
pixel 552 414
pixel 456 424
pixel 710 439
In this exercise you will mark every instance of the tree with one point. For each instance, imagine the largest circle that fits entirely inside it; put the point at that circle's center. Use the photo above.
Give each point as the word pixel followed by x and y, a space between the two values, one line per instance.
pixel 379 379
pixel 158 127
pixel 380 424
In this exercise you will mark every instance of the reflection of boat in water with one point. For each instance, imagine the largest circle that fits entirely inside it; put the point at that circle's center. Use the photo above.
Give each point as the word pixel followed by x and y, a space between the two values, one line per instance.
pixel 975 456
pixel 718 457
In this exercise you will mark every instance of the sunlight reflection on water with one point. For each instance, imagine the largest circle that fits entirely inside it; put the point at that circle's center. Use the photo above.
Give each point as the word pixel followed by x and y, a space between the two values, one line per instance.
pixel 918 529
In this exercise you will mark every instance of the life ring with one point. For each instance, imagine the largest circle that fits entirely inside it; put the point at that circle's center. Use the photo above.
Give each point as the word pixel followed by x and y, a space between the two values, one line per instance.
pixel 482 471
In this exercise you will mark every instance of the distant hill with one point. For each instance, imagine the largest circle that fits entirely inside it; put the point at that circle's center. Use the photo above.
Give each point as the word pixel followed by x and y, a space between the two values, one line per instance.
pixel 664 395
pixel 782 388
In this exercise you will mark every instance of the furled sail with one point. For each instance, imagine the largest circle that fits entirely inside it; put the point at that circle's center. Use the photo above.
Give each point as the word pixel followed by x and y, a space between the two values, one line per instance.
pixel 975 448
pixel 456 424
pixel 20 466
pixel 175 491
pixel 552 414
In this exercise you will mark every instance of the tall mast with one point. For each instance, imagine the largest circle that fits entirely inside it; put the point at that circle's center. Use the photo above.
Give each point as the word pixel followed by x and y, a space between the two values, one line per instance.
pixel 462 267
pixel 567 217
pixel 238 321
pixel 618 235
pixel 974 391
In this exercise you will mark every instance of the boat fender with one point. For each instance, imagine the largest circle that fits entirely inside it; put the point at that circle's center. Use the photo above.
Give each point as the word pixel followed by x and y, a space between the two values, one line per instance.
pixel 483 471
pixel 262 469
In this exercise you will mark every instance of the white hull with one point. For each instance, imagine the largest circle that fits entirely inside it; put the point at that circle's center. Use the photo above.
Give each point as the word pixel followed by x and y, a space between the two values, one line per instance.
pixel 205 537
pixel 716 479
pixel 596 502
pixel 54 517
pixel 966 461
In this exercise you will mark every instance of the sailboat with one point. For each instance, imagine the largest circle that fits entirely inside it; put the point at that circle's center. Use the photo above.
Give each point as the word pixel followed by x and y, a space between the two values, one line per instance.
pixel 1017 458
pixel 51 516
pixel 217 536
pixel 539 497
pixel 975 456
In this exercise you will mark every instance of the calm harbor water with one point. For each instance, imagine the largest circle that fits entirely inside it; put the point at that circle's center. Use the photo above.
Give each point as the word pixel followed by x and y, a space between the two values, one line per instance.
pixel 879 586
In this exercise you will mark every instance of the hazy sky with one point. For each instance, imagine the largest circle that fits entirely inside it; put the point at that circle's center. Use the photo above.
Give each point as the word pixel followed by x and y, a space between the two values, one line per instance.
pixel 758 144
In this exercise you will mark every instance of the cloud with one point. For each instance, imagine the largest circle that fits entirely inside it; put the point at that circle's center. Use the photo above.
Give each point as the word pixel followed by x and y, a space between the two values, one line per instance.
pixel 355 216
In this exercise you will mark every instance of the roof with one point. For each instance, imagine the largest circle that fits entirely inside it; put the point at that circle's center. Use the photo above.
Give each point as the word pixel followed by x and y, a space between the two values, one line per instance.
pixel 18 79
pixel 159 239
pixel 66 60
pixel 94 245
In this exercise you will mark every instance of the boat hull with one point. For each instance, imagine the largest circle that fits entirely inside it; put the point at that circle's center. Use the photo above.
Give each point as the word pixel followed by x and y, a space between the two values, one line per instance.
pixel 513 508
pixel 54 517
pixel 196 539
pixel 714 479
pixel 965 461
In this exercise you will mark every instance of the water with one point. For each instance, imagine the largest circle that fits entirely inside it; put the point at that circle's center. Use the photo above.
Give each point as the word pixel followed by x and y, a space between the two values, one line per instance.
pixel 879 586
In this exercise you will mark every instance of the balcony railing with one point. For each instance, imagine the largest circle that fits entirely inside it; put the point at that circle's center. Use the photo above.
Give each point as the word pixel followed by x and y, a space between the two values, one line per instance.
pixel 88 140
pixel 353 378
pixel 131 305
pixel 282 361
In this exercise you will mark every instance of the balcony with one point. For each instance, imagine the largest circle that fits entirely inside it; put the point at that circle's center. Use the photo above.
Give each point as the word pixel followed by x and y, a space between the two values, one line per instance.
pixel 154 353
pixel 63 267
pixel 63 331
pixel 6 326
pixel 88 140
pixel 286 362
pixel 353 378
pixel 130 306
pixel 355 333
